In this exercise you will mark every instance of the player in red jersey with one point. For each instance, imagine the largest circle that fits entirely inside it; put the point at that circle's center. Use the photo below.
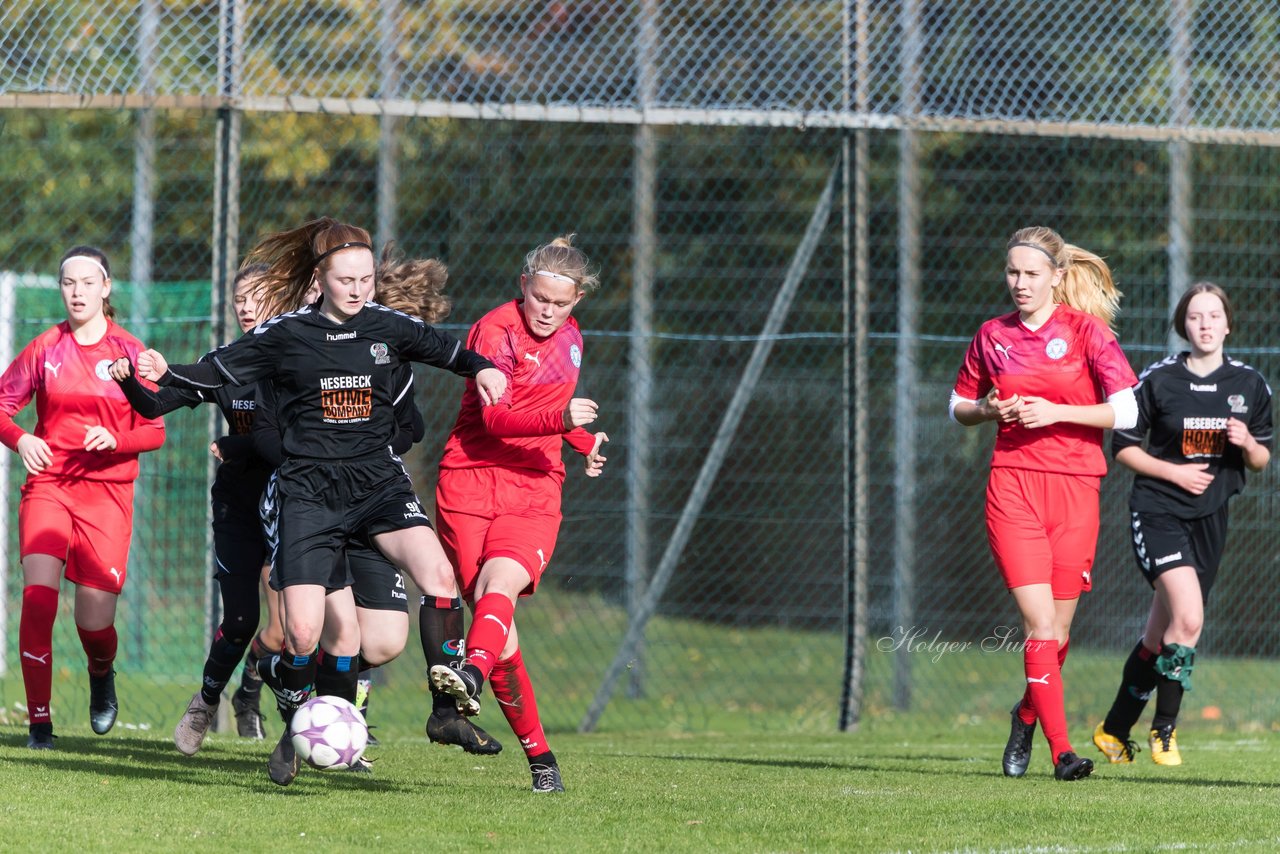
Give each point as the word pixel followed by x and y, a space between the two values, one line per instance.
pixel 498 495
pixel 76 512
pixel 1206 419
pixel 1053 377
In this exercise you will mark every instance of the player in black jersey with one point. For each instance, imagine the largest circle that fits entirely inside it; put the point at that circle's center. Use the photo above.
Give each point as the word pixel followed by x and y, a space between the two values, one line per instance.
pixel 333 366
pixel 240 551
pixel 413 287
pixel 1206 418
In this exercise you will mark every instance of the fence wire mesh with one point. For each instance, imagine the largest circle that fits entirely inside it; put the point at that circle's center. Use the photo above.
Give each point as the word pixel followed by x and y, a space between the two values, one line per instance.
pixel 748 634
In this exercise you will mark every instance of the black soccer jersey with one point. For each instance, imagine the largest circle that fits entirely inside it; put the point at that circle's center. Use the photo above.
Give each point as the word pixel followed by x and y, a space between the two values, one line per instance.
pixel 242 474
pixel 334 382
pixel 1186 418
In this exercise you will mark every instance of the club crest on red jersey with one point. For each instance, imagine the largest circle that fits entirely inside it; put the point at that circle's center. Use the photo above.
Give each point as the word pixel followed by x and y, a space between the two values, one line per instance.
pixel 1056 348
pixel 575 355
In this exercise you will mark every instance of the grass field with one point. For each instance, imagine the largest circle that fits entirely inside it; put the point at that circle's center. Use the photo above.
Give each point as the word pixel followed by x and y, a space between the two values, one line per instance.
pixel 896 787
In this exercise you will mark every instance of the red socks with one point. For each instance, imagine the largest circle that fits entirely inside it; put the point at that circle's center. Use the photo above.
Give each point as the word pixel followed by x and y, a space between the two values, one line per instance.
pixel 1044 683
pixel 490 625
pixel 1027 714
pixel 511 686
pixel 35 642
pixel 100 647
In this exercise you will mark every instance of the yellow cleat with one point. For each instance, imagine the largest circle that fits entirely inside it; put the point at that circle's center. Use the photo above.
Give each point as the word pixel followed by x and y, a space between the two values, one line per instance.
pixel 1164 746
pixel 1117 751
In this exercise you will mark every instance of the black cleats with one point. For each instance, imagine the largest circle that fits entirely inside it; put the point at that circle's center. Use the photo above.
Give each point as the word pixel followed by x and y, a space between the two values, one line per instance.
pixel 282 766
pixel 248 715
pixel 1017 752
pixel 103 707
pixel 40 736
pixel 454 729
pixel 1072 767
pixel 546 777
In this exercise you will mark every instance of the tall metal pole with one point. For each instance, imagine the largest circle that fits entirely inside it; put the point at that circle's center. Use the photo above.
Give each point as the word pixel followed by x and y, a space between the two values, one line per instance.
pixel 904 479
pixel 1180 224
pixel 226 238
pixel 856 327
pixel 141 248
pixel 644 242
pixel 388 125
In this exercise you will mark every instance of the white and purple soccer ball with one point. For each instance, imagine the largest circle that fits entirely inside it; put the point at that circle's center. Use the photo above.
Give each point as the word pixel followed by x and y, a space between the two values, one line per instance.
pixel 329 733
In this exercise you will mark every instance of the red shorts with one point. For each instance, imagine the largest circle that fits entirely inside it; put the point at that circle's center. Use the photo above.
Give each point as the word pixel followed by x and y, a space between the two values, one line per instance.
pixel 84 523
pixel 484 513
pixel 1043 528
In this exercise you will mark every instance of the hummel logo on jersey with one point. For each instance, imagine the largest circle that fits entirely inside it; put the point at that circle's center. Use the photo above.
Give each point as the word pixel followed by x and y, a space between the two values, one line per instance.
pixel 1161 561
pixel 339 336
pixel 1003 350
pixel 1204 387
pixel 49 366
pixel 499 622
pixel 533 357
pixel 1043 680
pixel 42 659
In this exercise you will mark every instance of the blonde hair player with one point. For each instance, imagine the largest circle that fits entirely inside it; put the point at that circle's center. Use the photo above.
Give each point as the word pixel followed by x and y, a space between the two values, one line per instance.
pixel 1053 377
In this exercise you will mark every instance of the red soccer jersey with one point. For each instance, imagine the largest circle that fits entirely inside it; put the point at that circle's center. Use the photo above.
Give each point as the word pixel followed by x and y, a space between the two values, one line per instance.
pixel 1072 359
pixel 73 392
pixel 524 429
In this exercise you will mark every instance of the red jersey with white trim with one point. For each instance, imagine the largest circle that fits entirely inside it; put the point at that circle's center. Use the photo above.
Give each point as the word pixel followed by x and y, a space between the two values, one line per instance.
pixel 1072 359
pixel 523 429
pixel 73 392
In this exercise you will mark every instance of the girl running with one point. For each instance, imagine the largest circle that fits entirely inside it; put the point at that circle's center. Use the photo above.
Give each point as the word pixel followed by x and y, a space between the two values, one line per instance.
pixel 498 495
pixel 76 512
pixel 1207 419
pixel 332 365
pixel 1053 377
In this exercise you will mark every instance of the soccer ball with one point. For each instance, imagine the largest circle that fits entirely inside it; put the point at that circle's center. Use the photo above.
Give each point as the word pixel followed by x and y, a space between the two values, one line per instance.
pixel 329 733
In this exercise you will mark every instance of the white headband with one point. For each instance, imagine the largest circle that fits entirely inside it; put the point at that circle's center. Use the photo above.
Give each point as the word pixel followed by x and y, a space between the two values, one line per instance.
pixel 94 261
pixel 559 276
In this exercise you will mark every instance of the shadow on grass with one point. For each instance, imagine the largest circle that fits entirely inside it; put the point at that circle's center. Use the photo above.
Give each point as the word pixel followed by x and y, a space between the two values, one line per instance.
pixel 150 758
pixel 920 764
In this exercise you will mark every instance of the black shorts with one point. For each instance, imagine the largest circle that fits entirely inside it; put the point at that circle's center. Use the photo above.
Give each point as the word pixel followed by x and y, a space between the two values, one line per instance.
pixel 375 581
pixel 239 545
pixel 315 508
pixel 1162 542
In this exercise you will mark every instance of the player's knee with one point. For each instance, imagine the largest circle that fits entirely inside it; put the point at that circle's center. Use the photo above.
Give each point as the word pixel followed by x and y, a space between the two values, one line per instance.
pixel 302 639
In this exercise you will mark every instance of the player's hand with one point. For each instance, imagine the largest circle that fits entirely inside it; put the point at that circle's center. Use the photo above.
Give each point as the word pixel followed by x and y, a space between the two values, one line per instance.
pixel 1238 434
pixel 1037 412
pixel 1193 477
pixel 579 413
pixel 216 451
pixel 35 453
pixel 595 459
pixel 120 369
pixel 98 438
pixel 492 385
pixel 152 365
pixel 1003 410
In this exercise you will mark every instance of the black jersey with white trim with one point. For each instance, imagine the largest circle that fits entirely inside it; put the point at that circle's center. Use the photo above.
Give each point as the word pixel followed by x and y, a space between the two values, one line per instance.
pixel 334 382
pixel 242 474
pixel 1184 416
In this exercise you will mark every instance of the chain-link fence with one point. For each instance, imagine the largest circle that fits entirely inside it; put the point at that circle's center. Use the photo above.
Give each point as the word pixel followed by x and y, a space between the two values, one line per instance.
pixel 746 175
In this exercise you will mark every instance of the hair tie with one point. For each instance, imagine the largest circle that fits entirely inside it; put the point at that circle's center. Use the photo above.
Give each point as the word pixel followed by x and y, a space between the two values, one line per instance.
pixel 559 276
pixel 350 244
pixel 1039 248
pixel 94 261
